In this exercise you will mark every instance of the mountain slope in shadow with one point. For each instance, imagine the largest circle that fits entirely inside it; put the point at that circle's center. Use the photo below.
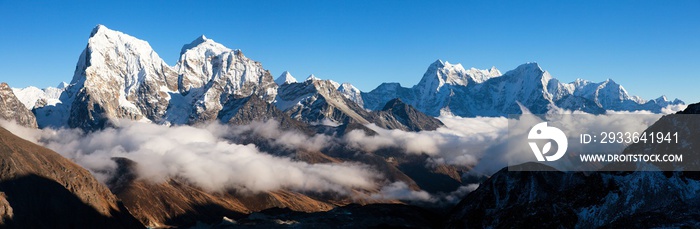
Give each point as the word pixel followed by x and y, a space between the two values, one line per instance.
pixel 41 189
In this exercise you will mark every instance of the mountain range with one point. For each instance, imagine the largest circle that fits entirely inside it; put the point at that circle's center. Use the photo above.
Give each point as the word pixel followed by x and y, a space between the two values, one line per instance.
pixel 119 77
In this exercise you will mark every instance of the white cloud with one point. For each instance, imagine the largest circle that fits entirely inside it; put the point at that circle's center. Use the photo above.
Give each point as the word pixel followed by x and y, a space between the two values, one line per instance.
pixel 461 142
pixel 270 130
pixel 400 191
pixel 205 157
pixel 202 156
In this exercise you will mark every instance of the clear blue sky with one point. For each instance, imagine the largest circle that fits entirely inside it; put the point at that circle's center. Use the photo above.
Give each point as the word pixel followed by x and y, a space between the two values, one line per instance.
pixel 650 47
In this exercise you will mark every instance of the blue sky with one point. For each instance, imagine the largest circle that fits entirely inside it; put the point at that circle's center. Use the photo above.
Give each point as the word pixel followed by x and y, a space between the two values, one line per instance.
pixel 650 47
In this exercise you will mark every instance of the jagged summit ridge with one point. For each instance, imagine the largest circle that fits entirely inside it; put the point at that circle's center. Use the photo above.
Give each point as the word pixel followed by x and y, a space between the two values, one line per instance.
pixel 440 73
pixel 450 89
pixel 12 109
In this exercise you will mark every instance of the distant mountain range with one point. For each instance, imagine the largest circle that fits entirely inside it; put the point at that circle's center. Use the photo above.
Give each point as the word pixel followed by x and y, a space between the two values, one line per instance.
pixel 450 89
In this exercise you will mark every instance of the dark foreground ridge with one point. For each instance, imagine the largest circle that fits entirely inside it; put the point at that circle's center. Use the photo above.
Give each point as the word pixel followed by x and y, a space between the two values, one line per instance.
pixel 41 189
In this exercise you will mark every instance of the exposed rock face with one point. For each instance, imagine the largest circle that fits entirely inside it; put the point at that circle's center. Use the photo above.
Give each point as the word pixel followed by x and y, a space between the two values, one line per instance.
pixel 244 111
pixel 398 115
pixel 6 211
pixel 12 108
pixel 315 100
pixel 42 189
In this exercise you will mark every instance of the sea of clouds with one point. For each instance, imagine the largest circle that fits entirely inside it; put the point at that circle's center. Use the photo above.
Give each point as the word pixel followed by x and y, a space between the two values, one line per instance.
pixel 205 156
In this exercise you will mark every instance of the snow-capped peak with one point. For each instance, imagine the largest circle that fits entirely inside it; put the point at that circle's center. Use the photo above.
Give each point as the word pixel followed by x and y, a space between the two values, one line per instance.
pixel 113 56
pixel 285 78
pixel 29 96
pixel 62 85
pixel 610 81
pixel 204 44
pixel 351 92
pixel 529 66
pixel 208 44
pixel 102 36
pixel 662 98
pixel 312 77
pixel 580 82
pixel 494 72
pixel 442 72
pixel 207 65
pixel 336 85
pixel 99 28
pixel 437 64
pixel 348 87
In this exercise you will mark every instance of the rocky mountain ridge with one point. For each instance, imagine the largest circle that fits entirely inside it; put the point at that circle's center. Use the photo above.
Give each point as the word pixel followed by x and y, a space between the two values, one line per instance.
pixel 11 108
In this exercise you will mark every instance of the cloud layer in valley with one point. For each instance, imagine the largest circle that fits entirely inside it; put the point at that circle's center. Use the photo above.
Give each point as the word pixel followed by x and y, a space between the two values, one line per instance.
pixel 461 142
pixel 205 156
pixel 200 155
pixel 482 143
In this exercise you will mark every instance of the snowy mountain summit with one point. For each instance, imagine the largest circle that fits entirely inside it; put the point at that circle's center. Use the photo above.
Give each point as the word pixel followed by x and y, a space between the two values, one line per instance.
pixel 285 78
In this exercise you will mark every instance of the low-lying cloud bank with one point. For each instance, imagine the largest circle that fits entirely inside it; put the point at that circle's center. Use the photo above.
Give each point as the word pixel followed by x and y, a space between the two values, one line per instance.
pixel 205 156
pixel 482 143
pixel 460 142
pixel 200 155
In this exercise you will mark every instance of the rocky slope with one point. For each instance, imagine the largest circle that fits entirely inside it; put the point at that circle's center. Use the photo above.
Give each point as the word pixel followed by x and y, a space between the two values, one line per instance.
pixel 315 100
pixel 12 109
pixel 177 203
pixel 639 199
pixel 398 115
pixel 41 189
pixel 244 111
